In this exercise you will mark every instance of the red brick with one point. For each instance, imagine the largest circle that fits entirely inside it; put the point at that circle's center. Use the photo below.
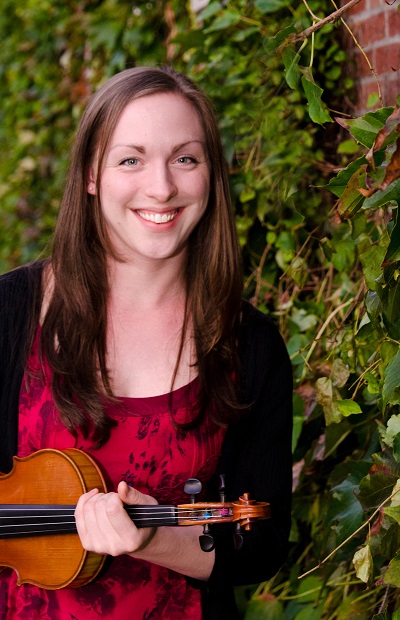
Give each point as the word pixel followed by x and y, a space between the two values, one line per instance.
pixel 387 58
pixel 355 10
pixel 391 89
pixel 375 4
pixel 362 68
pixel 363 91
pixel 370 29
pixel 393 21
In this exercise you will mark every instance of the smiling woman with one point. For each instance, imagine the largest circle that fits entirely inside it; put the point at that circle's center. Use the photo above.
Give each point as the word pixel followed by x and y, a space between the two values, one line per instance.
pixel 132 343
pixel 160 177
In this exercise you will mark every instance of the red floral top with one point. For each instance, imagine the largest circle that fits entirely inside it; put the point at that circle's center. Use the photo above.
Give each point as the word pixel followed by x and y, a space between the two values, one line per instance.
pixel 149 453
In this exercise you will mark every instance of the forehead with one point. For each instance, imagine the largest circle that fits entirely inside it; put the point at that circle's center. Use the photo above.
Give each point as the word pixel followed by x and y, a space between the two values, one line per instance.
pixel 164 116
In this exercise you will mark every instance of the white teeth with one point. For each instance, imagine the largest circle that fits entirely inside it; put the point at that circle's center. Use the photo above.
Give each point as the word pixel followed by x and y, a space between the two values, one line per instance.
pixel 157 218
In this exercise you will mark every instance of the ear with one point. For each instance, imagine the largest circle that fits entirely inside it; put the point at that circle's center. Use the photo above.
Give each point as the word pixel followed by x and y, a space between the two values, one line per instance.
pixel 91 183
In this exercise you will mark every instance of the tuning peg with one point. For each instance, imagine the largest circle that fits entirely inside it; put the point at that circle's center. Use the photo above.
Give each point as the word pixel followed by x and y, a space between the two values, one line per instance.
pixel 206 539
pixel 237 538
pixel 222 487
pixel 192 488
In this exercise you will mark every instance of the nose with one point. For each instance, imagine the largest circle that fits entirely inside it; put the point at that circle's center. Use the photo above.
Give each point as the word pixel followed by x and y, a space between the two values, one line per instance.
pixel 162 186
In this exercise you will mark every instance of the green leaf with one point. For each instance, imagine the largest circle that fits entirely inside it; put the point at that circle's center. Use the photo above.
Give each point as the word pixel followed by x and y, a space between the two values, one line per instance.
pixel 296 346
pixel 391 385
pixel 345 512
pixel 393 512
pixel 392 574
pixel 309 589
pixel 324 393
pixel 272 43
pixel 372 383
pixel 270 6
pixel 375 489
pixel 248 193
pixel 226 20
pixel 381 198
pixel 291 61
pixel 347 407
pixel 378 485
pixel 241 35
pixel 264 608
pixel 390 541
pixel 393 251
pixel 351 199
pixel 363 563
pixel 365 128
pixel 316 109
pixel 371 259
pixel 338 184
pixel 396 448
pixel 373 305
pixel 348 147
pixel 340 373
pixel 190 39
pixel 298 271
pixel 389 432
pixel 310 612
pixel 211 9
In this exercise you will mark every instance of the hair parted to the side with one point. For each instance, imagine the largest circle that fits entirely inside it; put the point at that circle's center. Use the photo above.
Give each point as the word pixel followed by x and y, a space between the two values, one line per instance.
pixel 76 318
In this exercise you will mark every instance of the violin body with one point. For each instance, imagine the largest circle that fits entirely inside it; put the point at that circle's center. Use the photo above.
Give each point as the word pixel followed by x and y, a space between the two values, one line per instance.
pixel 50 477
pixel 38 536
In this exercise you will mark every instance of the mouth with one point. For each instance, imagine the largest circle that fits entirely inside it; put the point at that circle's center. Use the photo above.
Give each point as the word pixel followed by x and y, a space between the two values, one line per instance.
pixel 158 218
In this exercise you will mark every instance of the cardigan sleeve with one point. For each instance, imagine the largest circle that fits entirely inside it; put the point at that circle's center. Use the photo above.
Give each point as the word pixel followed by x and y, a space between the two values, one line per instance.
pixel 19 292
pixel 257 457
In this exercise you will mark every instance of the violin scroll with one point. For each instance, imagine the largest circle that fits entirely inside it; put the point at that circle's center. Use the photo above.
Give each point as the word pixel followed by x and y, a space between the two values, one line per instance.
pixel 247 510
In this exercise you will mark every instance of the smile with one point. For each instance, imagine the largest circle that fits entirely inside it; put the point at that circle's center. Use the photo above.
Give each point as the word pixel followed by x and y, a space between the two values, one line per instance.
pixel 157 218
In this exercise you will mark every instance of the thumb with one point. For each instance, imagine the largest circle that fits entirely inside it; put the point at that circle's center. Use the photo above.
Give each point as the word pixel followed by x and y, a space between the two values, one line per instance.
pixel 132 496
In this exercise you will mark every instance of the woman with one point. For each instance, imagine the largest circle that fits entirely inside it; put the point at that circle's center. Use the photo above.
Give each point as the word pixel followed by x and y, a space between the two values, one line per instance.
pixel 132 343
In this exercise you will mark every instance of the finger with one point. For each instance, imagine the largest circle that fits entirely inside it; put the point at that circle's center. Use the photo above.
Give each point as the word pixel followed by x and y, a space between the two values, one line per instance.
pixel 80 507
pixel 103 524
pixel 131 496
pixel 85 498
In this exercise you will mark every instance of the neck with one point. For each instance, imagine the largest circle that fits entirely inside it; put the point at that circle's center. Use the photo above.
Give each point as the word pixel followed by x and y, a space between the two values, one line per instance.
pixel 147 283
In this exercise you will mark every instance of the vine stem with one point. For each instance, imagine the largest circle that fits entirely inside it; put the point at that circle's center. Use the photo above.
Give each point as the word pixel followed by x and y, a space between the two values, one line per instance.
pixel 351 33
pixel 326 20
pixel 368 521
pixel 321 331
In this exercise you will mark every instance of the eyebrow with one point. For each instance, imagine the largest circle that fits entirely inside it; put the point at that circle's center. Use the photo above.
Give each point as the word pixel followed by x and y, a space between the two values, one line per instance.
pixel 142 149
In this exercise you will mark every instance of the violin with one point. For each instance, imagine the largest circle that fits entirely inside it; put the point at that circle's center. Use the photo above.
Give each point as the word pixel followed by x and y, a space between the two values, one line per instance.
pixel 38 535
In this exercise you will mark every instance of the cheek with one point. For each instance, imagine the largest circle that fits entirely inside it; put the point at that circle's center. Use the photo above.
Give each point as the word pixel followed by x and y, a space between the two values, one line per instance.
pixel 203 190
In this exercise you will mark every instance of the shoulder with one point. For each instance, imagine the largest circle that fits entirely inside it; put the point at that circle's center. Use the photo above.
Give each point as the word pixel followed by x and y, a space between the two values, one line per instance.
pixel 20 281
pixel 258 332
pixel 20 291
pixel 263 352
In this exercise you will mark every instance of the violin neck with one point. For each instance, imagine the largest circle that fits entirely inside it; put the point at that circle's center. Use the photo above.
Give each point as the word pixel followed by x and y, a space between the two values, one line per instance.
pixel 20 520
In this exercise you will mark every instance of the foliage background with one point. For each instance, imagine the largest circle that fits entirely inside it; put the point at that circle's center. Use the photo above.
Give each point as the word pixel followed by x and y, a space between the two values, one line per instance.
pixel 321 257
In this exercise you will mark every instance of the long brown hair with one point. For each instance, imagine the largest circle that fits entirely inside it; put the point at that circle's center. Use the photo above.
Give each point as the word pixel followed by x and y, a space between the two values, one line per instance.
pixel 73 335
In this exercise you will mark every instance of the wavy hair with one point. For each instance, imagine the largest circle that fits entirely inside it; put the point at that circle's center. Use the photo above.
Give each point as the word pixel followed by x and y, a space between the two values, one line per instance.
pixel 73 334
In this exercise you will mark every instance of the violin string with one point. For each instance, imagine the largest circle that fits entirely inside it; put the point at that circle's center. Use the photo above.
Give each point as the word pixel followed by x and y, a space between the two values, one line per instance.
pixel 140 511
pixel 138 514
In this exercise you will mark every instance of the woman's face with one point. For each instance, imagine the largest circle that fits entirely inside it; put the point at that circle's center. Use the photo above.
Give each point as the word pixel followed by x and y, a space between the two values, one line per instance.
pixel 155 179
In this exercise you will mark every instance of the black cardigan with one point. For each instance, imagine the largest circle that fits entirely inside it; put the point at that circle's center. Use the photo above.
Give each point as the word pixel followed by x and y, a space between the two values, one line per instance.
pixel 256 454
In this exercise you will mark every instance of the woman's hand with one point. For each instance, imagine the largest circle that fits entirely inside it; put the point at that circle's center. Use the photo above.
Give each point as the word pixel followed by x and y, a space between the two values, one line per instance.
pixel 104 525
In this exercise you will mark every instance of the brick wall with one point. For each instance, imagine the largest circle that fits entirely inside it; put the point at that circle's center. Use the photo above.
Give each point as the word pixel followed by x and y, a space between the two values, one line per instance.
pixel 376 25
